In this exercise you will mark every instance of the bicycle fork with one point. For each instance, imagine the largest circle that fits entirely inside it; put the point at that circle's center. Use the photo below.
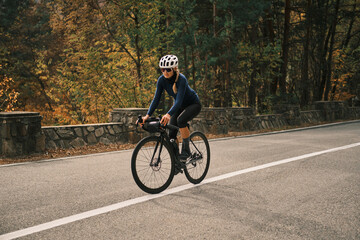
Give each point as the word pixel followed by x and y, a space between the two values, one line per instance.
pixel 156 161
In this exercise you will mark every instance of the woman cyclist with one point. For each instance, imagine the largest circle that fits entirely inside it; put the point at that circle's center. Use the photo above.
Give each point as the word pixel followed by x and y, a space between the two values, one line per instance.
pixel 186 102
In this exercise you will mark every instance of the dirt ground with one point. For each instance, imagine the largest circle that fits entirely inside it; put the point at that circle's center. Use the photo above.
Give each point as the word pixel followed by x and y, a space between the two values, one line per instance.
pixel 100 148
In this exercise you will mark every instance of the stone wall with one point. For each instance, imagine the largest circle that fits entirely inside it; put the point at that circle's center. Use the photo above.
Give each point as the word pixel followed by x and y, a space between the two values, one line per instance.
pixel 224 120
pixel 311 116
pixel 74 136
pixel 354 112
pixel 272 121
pixel 290 113
pixel 121 129
pixel 332 111
pixel 21 133
pixel 209 120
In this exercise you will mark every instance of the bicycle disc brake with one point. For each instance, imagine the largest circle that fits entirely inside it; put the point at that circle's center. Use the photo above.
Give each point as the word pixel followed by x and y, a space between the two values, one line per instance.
pixel 155 164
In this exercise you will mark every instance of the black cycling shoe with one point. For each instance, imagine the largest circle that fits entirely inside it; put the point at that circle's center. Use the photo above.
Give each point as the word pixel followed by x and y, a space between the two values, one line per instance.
pixel 185 154
pixel 185 150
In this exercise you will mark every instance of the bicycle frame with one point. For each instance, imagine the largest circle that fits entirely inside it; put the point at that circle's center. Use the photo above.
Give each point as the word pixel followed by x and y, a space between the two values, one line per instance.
pixel 151 171
pixel 174 150
pixel 163 137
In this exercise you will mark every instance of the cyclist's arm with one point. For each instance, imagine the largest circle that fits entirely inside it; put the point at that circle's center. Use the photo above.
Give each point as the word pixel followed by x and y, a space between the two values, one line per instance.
pixel 179 98
pixel 157 97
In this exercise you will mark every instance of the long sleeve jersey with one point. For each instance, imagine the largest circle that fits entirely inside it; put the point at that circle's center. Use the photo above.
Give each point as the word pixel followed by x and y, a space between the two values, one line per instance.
pixel 184 97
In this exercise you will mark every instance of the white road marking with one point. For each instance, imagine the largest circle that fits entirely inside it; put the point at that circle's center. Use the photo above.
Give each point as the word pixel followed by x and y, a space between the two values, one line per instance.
pixel 120 205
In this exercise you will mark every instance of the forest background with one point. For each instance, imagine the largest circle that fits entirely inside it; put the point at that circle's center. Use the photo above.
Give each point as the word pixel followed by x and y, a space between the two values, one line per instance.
pixel 76 60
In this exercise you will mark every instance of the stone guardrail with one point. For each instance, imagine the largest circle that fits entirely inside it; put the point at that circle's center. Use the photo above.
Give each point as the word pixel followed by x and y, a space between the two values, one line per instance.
pixel 21 132
pixel 87 134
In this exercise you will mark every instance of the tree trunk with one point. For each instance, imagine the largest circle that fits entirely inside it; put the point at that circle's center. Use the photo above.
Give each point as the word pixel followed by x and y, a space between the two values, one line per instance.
pixel 228 98
pixel 162 49
pixel 217 88
pixel 348 34
pixel 323 42
pixel 285 49
pixel 218 85
pixel 186 64
pixel 252 90
pixel 329 60
pixel 305 84
pixel 206 83
pixel 270 34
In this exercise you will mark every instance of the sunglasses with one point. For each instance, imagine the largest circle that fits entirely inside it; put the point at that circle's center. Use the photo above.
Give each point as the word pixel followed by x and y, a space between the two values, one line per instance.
pixel 166 69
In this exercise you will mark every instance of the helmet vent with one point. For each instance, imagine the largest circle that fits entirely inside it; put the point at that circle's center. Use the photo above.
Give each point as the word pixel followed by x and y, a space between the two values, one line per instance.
pixel 170 61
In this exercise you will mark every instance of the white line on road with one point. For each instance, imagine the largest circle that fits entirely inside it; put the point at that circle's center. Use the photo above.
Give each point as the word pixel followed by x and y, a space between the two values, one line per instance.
pixel 117 206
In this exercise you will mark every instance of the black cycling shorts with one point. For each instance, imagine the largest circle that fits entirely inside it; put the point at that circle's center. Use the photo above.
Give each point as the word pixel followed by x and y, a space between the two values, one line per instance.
pixel 183 116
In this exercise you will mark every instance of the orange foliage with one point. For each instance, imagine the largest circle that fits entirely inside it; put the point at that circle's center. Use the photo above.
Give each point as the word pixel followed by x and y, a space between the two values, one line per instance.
pixel 8 95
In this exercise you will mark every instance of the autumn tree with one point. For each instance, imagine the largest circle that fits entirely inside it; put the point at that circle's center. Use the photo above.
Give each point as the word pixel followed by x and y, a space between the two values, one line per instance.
pixel 8 95
pixel 25 36
pixel 74 61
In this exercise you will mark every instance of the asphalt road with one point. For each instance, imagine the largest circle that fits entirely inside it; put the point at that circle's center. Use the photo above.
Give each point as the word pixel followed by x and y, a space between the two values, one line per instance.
pixel 290 185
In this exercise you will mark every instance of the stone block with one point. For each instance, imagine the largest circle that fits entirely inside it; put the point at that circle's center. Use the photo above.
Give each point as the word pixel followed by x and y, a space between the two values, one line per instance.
pixel 65 134
pixel 51 145
pixel 111 138
pixel 78 142
pixel 67 144
pixel 91 139
pixel 60 144
pixel 91 129
pixel 85 131
pixel 105 141
pixel 117 129
pixel 78 132
pixel 8 148
pixel 99 132
pixel 111 130
pixel 40 143
pixel 51 133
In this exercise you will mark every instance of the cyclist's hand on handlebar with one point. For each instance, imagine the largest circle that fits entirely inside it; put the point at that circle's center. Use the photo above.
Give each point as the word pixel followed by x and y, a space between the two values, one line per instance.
pixel 143 120
pixel 165 119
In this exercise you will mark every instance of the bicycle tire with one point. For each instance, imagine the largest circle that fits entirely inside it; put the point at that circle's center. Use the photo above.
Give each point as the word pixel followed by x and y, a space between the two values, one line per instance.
pixel 199 163
pixel 152 179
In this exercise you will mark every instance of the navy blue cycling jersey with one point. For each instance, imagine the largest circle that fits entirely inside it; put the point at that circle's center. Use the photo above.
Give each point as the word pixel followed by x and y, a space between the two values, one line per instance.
pixel 184 97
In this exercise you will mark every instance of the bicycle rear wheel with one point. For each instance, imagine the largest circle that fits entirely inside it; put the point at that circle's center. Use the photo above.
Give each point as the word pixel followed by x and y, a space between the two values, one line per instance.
pixel 198 164
pixel 152 172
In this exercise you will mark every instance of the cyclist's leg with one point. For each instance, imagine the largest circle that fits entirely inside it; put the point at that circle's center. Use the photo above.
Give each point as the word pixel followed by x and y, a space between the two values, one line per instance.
pixel 184 132
pixel 173 121
pixel 186 115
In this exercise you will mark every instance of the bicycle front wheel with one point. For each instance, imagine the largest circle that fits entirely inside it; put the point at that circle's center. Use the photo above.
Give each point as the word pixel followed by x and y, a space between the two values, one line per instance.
pixel 152 165
pixel 198 164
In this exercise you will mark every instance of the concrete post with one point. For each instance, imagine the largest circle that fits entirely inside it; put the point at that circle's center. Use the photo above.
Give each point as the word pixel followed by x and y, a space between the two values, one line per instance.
pixel 20 133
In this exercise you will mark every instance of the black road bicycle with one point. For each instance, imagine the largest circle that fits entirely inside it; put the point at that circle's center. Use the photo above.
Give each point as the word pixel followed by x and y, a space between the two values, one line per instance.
pixel 155 159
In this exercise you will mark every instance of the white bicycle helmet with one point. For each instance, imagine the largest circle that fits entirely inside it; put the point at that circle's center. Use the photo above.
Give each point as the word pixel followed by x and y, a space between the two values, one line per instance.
pixel 168 61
